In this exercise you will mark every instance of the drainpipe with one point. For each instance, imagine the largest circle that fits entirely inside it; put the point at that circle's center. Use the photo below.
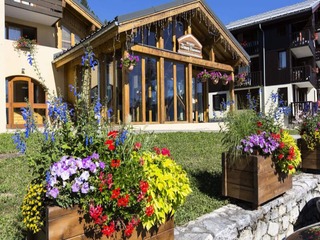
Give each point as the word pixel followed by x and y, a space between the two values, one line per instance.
pixel 263 72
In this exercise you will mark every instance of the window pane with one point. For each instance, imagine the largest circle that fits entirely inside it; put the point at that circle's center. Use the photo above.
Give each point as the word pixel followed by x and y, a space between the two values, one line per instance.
pixel 77 39
pixel 39 95
pixel 7 90
pixel 167 37
pixel 20 89
pixel 169 88
pixel 135 93
pixel 66 38
pixel 151 90
pixel 181 92
pixel 14 33
pixel 17 116
pixel 39 115
pixel 282 60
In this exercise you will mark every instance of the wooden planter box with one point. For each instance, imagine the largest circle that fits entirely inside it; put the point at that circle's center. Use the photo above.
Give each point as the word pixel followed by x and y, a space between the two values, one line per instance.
pixel 310 158
pixel 253 179
pixel 68 224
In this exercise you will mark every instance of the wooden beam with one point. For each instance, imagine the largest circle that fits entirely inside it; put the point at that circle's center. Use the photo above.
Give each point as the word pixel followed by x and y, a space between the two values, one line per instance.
pixel 162 100
pixel 189 91
pixel 181 58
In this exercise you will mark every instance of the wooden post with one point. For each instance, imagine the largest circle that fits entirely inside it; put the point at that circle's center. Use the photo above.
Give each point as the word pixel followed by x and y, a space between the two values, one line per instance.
pixel 125 95
pixel 189 91
pixel 162 91
pixel 143 89
pixel 231 91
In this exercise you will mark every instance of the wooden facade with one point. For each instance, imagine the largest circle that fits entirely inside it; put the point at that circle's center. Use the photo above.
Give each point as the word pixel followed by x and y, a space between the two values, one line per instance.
pixel 174 42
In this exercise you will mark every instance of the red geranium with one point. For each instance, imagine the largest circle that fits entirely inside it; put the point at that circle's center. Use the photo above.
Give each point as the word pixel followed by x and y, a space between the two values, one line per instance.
pixel 110 144
pixel 123 201
pixel 115 163
pixel 149 211
pixel 115 193
pixel 108 230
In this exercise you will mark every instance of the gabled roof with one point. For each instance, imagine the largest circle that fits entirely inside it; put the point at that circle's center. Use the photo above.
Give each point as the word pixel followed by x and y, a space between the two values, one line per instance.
pixel 136 19
pixel 308 5
pixel 85 12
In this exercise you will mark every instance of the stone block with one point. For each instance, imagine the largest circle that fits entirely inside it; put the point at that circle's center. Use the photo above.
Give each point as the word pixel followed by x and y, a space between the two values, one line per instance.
pixel 246 235
pixel 273 229
pixel 282 210
pixel 261 230
pixel 285 222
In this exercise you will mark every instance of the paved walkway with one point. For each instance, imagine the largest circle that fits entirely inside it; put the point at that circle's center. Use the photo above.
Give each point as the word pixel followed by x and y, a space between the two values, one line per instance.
pixel 180 127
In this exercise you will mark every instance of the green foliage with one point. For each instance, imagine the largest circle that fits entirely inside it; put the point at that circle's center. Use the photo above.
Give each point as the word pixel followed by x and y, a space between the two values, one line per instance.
pixel 237 126
pixel 169 186
pixel 6 143
pixel 309 130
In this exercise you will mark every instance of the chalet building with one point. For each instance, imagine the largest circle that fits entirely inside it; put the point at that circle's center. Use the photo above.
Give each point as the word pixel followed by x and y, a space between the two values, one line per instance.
pixel 284 49
pixel 174 42
pixel 55 25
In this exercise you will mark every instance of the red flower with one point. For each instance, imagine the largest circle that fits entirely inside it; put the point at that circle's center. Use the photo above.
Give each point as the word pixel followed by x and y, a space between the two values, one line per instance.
pixel 113 134
pixel 101 220
pixel 123 201
pixel 137 146
pixel 282 145
pixel 259 124
pixel 280 156
pixel 109 180
pixel 259 132
pixel 149 211
pixel 144 186
pixel 289 157
pixel 165 152
pixel 157 150
pixel 110 144
pixel 275 136
pixel 95 212
pixel 290 167
pixel 115 193
pixel 108 230
pixel 291 151
pixel 115 163
pixel 129 230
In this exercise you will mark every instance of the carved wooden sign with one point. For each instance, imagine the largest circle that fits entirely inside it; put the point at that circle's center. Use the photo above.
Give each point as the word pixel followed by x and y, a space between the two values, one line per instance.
pixel 190 46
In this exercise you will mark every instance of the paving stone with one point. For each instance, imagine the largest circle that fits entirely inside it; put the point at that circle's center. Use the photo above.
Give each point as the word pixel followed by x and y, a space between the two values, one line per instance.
pixel 273 229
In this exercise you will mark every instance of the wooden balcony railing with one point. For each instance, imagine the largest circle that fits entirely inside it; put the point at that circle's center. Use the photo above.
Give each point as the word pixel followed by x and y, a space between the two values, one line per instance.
pixel 51 8
pixel 303 108
pixel 303 74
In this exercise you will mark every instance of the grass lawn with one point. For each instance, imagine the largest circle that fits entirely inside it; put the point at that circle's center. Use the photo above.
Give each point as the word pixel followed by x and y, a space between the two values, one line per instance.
pixel 198 152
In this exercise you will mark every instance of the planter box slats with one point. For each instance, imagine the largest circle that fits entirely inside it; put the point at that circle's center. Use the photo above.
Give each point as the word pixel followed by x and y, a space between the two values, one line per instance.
pixel 66 224
pixel 310 158
pixel 253 180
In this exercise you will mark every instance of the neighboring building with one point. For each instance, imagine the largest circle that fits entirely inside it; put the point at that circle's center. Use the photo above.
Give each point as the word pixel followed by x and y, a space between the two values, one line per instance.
pixel 55 25
pixel 174 41
pixel 284 48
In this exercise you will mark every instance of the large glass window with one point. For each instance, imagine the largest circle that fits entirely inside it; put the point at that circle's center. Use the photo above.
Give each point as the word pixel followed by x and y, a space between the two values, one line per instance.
pixel 181 92
pixel 169 90
pixel 21 89
pixel 151 90
pixel 167 37
pixel 135 84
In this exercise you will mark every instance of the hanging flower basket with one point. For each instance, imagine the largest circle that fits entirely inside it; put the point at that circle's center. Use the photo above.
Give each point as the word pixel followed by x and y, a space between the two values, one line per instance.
pixel 225 79
pixel 215 77
pixel 129 62
pixel 204 76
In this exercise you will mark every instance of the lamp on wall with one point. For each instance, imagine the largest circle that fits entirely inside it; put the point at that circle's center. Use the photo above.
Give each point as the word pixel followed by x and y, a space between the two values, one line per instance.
pixel 23 70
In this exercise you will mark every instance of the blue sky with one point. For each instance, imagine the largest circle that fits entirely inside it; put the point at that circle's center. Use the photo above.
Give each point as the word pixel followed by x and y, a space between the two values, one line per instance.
pixel 226 10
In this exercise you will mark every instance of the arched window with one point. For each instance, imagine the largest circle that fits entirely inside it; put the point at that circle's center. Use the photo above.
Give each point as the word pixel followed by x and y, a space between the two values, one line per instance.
pixel 19 91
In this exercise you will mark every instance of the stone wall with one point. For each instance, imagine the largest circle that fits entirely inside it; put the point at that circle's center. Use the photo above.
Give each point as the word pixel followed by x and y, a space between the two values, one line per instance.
pixel 273 220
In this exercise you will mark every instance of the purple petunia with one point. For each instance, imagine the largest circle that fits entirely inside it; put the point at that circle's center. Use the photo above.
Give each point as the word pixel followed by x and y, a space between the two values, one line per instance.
pixel 262 142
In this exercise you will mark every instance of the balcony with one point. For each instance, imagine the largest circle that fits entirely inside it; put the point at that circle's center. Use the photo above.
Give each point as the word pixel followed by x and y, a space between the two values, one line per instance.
pixel 304 74
pixel 303 108
pixel 253 79
pixel 45 12
pixel 252 48
pixel 302 44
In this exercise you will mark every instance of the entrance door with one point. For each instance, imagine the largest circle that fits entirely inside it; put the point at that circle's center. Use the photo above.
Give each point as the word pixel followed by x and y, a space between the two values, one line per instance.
pixel 197 100
pixel 19 91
